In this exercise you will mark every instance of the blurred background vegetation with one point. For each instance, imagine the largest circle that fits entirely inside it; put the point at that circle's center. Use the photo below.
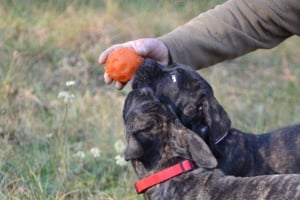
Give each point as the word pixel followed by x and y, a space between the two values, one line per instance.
pixel 61 131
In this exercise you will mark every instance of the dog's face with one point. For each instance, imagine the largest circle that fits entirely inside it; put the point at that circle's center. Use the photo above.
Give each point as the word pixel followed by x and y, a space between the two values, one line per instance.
pixel 190 96
pixel 155 137
pixel 145 125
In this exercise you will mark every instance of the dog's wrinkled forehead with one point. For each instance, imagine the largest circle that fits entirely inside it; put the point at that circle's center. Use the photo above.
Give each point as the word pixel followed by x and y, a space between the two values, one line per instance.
pixel 136 98
pixel 176 77
pixel 142 102
pixel 186 77
pixel 143 110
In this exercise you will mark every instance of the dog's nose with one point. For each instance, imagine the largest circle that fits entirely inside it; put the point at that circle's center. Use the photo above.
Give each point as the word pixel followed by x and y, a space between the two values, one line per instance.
pixel 148 72
pixel 151 67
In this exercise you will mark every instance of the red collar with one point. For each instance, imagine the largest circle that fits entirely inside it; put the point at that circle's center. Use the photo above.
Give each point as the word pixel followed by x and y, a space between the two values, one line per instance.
pixel 163 175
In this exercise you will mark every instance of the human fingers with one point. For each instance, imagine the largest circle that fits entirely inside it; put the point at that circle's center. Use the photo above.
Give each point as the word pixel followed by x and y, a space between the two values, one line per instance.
pixel 120 85
pixel 151 48
pixel 107 78
pixel 103 56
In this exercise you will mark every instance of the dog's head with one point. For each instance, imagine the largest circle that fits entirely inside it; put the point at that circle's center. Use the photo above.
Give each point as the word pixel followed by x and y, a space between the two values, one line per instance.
pixel 190 96
pixel 155 137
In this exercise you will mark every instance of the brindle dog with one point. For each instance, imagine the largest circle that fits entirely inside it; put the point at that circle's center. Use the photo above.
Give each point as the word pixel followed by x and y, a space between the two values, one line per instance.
pixel 156 140
pixel 237 153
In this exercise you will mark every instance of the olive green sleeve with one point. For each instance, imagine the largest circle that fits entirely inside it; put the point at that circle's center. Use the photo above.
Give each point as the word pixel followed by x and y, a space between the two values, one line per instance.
pixel 233 29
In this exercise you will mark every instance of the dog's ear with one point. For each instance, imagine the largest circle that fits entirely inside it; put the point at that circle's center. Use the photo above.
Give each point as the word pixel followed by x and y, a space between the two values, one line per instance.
pixel 200 152
pixel 217 119
pixel 134 150
pixel 189 145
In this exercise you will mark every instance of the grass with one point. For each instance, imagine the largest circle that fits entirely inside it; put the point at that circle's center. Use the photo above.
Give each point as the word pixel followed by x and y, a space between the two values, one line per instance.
pixel 46 142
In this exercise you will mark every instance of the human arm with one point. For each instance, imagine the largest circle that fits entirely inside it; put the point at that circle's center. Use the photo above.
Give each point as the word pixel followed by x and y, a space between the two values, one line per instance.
pixel 231 30
pixel 227 31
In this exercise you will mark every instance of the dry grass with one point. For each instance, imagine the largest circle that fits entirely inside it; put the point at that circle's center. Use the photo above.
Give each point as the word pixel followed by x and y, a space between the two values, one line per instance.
pixel 45 142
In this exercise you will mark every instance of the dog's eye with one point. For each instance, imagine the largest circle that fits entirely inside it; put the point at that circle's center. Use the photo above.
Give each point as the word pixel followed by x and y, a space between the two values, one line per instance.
pixel 145 129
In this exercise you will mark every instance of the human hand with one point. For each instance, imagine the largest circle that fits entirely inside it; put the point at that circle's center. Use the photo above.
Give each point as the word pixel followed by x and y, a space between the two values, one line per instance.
pixel 146 47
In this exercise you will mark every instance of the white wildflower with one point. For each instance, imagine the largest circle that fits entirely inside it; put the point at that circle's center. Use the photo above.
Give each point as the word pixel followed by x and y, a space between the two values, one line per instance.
pixel 66 96
pixel 62 94
pixel 49 135
pixel 120 160
pixel 70 83
pixel 79 154
pixel 119 146
pixel 95 152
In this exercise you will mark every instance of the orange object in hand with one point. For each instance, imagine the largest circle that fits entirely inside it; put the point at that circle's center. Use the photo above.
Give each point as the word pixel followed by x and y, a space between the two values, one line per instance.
pixel 122 63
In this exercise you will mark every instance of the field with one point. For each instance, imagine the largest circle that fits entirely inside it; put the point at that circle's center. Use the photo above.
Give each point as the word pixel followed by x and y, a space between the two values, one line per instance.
pixel 61 128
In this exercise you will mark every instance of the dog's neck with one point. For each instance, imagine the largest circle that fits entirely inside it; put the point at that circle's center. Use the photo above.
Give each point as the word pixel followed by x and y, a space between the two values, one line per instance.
pixel 163 175
pixel 170 158
pixel 143 171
